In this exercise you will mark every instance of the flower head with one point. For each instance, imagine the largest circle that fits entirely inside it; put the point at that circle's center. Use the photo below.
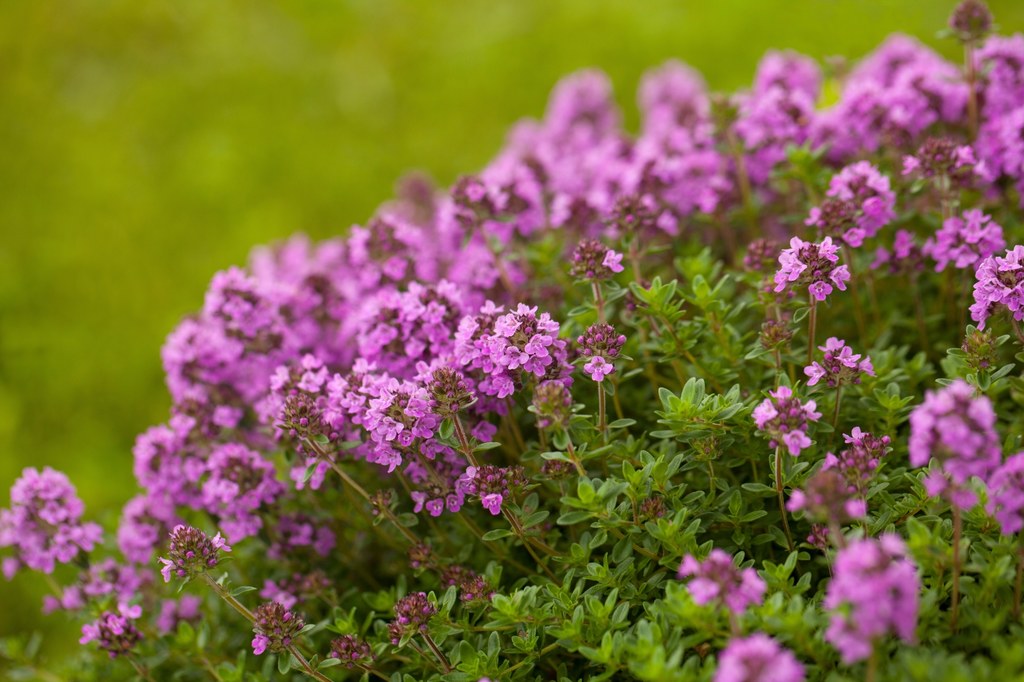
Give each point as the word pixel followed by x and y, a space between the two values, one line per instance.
pixel 1000 284
pixel 44 524
pixel 594 262
pixel 964 241
pixel 552 403
pixel 601 345
pixel 785 419
pixel 873 593
pixel 971 21
pixel 717 579
pixel 1006 494
pixel 757 658
pixel 191 553
pixel 351 650
pixel 275 628
pixel 113 632
pixel 839 367
pixel 493 484
pixel 956 428
pixel 828 498
pixel 449 392
pixel 412 614
pixel 858 462
pixel 806 264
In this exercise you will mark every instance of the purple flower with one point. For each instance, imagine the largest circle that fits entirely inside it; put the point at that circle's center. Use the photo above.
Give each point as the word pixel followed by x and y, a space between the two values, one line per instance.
pixel 175 611
pixel 1000 284
pixel 238 482
pixel 811 265
pixel 493 484
pixel 956 428
pixel 757 658
pixel 412 614
pixel 890 99
pixel 965 241
pixel 351 650
pixel 840 366
pixel 145 521
pixel 595 262
pixel 600 343
pixel 944 162
pixel 275 628
pixel 191 553
pixel 784 419
pixel 517 342
pixel 44 523
pixel 858 462
pixel 906 256
pixel 869 190
pixel 113 632
pixel 828 498
pixel 858 204
pixel 717 579
pixel 1006 494
pixel 873 593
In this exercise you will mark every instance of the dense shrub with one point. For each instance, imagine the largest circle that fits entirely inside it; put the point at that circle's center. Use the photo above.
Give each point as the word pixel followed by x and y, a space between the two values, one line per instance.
pixel 699 403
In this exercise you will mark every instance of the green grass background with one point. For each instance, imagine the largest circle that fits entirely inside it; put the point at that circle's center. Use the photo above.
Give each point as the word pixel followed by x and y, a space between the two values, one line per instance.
pixel 145 145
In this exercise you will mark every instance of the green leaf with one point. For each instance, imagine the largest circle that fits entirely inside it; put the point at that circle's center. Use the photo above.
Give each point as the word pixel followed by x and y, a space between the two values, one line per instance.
pixel 497 534
pixel 573 517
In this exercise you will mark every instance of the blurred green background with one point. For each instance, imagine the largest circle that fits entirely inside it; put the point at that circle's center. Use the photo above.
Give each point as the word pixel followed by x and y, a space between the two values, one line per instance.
pixel 146 145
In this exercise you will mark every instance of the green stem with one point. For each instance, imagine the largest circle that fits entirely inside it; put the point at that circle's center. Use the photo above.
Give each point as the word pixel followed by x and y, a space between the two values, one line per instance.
pixel 1017 585
pixel 445 665
pixel 460 433
pixel 782 498
pixel 306 667
pixel 812 328
pixel 957 531
pixel 835 413
pixel 598 301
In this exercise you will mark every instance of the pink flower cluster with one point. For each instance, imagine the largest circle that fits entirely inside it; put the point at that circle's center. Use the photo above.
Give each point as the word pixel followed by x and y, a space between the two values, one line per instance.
pixel 873 593
pixel 1000 285
pixel 785 419
pixel 860 203
pixel 718 580
pixel 840 366
pixel 757 658
pixel 600 344
pixel 806 264
pixel 44 524
pixel 965 241
pixel 956 428
pixel 1006 494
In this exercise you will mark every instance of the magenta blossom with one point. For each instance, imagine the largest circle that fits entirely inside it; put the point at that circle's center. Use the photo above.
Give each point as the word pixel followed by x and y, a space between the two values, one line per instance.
pixel 811 265
pixel 957 428
pixel 717 579
pixel 1006 494
pixel 784 419
pixel 840 365
pixel 757 658
pixel 964 241
pixel 44 524
pixel 1000 284
pixel 873 593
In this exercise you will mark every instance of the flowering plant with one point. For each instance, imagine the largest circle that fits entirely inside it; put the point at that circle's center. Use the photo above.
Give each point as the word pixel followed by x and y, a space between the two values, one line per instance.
pixel 561 421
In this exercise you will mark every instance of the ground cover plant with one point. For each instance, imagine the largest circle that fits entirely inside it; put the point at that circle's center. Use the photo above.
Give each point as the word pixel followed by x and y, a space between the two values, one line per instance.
pixel 738 397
